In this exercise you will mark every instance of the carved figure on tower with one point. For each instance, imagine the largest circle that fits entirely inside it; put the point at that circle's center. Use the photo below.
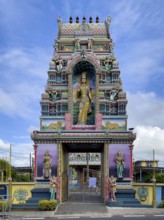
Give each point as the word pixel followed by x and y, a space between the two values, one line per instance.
pixel 59 64
pixel 107 63
pixel 90 43
pixel 77 44
pixel 111 45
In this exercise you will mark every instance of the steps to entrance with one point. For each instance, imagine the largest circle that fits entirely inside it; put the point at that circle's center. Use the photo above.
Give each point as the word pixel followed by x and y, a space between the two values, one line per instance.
pixel 126 198
pixel 69 208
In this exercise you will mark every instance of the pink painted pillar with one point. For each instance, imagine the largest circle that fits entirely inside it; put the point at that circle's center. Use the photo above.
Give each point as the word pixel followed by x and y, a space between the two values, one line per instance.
pixel 68 121
pixel 107 197
pixel 131 160
pixel 98 121
pixel 35 160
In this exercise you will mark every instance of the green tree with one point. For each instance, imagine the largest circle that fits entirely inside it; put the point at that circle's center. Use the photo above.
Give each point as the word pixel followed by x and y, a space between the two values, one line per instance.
pixel 4 169
pixel 159 178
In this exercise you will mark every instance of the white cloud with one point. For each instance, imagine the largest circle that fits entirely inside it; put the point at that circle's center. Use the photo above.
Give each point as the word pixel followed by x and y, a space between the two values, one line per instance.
pixel 134 18
pixel 25 77
pixel 149 138
pixel 32 128
pixel 145 109
pixel 4 146
pixel 20 153
pixel 127 18
pixel 23 62
pixel 145 57
pixel 145 112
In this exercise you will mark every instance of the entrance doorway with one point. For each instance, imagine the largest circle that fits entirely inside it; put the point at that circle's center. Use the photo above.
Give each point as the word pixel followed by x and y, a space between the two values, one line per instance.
pixel 82 172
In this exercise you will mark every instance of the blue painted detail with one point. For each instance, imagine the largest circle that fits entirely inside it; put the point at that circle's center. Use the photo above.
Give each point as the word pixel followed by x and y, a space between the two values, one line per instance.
pixel 158 195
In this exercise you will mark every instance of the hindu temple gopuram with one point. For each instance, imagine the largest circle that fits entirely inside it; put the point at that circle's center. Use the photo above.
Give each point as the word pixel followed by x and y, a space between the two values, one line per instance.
pixel 84 137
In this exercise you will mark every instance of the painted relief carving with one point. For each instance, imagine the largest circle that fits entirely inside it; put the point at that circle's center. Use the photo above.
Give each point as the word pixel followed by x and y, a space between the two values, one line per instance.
pixel 21 195
pixel 142 193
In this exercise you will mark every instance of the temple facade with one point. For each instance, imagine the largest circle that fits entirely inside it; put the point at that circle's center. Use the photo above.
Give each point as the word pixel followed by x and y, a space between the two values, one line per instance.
pixel 83 137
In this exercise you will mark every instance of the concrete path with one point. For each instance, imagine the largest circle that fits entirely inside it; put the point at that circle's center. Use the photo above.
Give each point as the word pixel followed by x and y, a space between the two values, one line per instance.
pixel 82 209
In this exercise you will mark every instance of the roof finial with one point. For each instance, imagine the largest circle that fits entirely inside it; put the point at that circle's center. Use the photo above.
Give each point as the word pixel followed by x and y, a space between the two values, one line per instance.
pixel 70 20
pixel 84 19
pixel 77 19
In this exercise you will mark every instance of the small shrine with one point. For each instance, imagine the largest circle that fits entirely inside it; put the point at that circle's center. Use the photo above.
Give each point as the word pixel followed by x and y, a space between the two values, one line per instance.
pixel 84 137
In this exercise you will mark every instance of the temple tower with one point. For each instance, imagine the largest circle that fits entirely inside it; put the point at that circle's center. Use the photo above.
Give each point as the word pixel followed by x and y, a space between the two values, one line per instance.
pixel 83 107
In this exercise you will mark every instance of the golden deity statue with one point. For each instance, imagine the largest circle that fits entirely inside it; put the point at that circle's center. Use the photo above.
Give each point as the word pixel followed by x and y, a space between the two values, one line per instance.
pixel 47 164
pixel 83 94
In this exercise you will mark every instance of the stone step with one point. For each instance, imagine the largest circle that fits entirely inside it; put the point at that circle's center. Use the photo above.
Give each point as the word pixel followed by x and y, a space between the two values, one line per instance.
pixel 33 206
pixel 120 204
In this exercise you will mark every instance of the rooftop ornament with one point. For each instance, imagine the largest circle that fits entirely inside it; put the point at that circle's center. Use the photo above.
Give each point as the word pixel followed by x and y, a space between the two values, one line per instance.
pixel 70 20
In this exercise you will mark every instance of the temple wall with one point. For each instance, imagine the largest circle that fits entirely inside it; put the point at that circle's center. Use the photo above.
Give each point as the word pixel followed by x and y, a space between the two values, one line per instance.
pixel 20 191
pixel 149 188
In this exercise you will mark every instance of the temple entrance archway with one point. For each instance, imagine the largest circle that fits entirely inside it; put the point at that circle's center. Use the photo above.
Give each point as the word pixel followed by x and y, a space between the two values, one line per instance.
pixel 84 181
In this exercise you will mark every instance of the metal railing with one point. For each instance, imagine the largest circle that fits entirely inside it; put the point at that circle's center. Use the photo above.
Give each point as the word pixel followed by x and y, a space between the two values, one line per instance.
pixel 6 205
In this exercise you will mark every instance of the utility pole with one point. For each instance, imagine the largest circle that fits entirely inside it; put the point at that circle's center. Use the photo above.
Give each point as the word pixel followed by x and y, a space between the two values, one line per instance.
pixel 10 180
pixel 154 182
pixel 30 167
pixel 88 157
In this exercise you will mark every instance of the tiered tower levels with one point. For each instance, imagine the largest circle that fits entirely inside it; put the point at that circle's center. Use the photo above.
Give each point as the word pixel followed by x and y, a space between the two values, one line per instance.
pixel 83 47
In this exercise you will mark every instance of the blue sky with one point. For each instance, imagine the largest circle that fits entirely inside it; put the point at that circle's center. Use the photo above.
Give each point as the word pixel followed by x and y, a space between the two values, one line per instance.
pixel 28 29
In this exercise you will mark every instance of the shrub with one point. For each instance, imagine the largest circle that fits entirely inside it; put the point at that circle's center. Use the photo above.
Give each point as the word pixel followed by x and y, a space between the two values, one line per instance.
pixel 3 205
pixel 161 204
pixel 47 205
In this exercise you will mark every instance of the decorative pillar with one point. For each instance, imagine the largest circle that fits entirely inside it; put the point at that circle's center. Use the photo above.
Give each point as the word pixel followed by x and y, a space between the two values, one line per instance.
pixel 106 172
pixel 68 121
pixel 35 159
pixel 70 95
pixel 98 121
pixel 58 194
pixel 97 93
pixel 131 160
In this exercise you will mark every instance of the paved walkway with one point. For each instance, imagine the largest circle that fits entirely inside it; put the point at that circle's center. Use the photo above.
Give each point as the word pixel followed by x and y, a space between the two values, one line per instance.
pixel 82 209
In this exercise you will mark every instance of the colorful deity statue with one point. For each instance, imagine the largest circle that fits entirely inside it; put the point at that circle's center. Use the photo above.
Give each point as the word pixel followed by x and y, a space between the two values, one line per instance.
pixel 47 165
pixel 53 188
pixel 84 96
pixel 119 160
pixel 112 188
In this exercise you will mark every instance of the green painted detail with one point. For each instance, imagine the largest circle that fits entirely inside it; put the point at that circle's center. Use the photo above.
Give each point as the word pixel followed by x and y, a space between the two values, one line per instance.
pixel 21 195
pixel 143 193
